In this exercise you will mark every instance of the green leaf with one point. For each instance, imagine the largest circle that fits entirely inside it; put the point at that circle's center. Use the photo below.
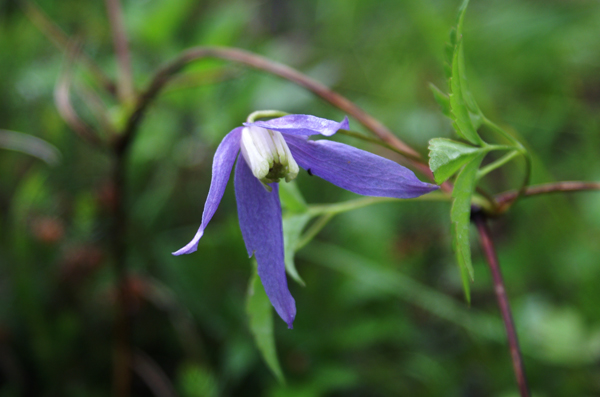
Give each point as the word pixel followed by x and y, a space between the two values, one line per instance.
pixel 260 314
pixel 442 99
pixel 458 105
pixel 447 156
pixel 474 113
pixel 449 54
pixel 465 112
pixel 292 230
pixel 291 198
pixel 196 381
pixel 461 15
pixel 460 216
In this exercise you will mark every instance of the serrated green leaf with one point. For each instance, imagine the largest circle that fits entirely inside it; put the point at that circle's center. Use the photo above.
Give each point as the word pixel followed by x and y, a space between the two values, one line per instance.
pixel 293 225
pixel 442 99
pixel 472 107
pixel 476 119
pixel 460 214
pixel 291 198
pixel 461 14
pixel 457 102
pixel 260 315
pixel 465 112
pixel 449 54
pixel 446 157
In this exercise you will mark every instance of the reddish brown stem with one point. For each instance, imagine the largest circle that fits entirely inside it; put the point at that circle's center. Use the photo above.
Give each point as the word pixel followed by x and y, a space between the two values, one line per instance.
pixel 500 291
pixel 125 89
pixel 504 199
pixel 164 74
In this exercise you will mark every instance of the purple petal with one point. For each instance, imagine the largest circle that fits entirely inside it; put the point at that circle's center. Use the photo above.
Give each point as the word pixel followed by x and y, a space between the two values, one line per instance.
pixel 302 124
pixel 356 170
pixel 221 168
pixel 260 221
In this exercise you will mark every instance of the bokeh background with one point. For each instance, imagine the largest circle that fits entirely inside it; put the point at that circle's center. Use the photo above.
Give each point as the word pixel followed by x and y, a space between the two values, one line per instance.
pixel 382 313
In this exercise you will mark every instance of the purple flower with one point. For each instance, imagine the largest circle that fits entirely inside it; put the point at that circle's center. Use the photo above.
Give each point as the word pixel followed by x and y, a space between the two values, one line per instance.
pixel 273 150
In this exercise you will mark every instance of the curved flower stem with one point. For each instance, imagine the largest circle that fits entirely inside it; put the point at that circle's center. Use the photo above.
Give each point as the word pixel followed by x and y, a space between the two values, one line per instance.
pixel 500 291
pixel 497 164
pixel 500 131
pixel 314 229
pixel 259 114
pixel 164 74
pixel 320 209
pixel 527 177
pixel 520 149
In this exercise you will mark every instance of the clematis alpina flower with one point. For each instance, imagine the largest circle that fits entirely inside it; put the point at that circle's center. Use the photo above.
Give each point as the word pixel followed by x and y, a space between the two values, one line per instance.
pixel 273 150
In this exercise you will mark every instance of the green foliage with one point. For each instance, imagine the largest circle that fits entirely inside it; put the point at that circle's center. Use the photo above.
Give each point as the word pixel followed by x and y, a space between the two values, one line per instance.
pixel 293 225
pixel 460 217
pixel 260 316
pixel 458 105
pixel 446 157
pixel 380 314
pixel 442 99
pixel 196 381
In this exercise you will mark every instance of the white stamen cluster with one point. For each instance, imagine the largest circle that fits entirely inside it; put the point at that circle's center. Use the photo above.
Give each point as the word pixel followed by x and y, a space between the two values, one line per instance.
pixel 268 155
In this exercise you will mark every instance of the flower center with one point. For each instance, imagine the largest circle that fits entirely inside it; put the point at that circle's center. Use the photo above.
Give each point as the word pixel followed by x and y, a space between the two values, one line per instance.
pixel 268 155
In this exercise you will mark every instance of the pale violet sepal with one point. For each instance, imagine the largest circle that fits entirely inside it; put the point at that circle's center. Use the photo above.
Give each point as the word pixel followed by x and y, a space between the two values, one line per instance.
pixel 303 124
pixel 221 169
pixel 259 213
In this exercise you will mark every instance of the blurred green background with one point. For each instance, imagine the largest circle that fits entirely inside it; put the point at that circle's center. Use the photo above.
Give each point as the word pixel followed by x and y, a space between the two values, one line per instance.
pixel 382 313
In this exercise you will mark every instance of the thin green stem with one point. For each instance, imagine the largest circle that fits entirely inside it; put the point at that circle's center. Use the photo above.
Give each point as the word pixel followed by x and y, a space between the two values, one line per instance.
pixel 350 205
pixel 314 229
pixel 260 114
pixel 501 131
pixel 523 189
pixel 490 148
pixel 497 164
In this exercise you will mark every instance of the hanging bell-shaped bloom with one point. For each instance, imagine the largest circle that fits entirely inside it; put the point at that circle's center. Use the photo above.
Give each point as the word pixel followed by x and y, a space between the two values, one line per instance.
pixel 273 150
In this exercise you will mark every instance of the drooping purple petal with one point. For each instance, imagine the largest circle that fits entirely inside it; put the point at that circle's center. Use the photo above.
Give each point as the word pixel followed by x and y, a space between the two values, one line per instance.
pixel 221 169
pixel 356 170
pixel 260 220
pixel 302 124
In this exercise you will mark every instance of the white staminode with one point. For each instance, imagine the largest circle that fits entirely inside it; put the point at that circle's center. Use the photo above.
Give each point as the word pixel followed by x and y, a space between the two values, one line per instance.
pixel 267 155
